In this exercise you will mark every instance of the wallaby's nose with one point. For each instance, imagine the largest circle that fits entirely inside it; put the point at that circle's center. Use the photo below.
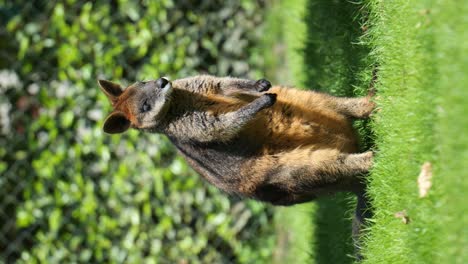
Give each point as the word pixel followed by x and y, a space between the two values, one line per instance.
pixel 161 82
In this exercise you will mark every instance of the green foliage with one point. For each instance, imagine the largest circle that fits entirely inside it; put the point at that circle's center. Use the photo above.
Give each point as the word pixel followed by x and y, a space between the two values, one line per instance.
pixel 71 193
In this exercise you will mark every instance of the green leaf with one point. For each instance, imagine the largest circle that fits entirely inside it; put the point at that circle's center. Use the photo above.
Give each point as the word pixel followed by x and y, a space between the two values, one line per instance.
pixel 55 219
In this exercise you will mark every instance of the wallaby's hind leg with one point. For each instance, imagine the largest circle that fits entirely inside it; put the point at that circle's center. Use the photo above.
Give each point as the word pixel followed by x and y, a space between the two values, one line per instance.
pixel 327 165
pixel 304 174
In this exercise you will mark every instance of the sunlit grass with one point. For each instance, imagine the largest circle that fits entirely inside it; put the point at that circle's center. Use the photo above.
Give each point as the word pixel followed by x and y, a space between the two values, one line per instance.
pixel 422 113
pixel 420 50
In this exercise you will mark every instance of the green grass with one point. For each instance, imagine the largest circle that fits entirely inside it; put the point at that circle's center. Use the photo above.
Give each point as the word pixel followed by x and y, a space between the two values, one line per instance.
pixel 423 113
pixel 420 49
pixel 404 134
pixel 450 184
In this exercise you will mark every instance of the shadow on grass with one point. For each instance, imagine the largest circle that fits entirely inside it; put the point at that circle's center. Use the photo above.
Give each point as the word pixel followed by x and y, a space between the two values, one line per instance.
pixel 332 55
pixel 335 63
pixel 333 230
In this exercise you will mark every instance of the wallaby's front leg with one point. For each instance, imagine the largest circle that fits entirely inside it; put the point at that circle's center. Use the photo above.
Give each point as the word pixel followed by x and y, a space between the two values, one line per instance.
pixel 241 87
pixel 207 84
pixel 260 85
pixel 225 126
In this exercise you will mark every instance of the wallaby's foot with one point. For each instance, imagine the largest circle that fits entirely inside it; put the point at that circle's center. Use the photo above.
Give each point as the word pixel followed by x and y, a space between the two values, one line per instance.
pixel 262 85
pixel 364 107
pixel 360 108
pixel 369 105
pixel 359 163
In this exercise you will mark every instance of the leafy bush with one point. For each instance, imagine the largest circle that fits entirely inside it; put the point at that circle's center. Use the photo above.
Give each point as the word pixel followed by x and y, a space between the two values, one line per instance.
pixel 71 193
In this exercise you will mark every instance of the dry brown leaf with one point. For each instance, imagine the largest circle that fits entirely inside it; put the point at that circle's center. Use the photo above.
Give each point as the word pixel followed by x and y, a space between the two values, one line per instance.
pixel 425 179
pixel 404 217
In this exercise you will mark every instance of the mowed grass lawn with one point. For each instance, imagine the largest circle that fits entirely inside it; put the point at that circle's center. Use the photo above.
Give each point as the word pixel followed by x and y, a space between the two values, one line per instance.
pixel 419 52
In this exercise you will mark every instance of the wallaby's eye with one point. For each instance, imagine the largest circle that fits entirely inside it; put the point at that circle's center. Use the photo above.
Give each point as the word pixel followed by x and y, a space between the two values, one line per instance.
pixel 145 107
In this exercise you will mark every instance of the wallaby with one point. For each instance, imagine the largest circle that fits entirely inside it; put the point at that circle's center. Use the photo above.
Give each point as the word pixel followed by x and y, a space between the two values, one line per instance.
pixel 274 144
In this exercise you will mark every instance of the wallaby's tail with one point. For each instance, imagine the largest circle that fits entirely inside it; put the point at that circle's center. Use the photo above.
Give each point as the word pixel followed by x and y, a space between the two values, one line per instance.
pixel 363 212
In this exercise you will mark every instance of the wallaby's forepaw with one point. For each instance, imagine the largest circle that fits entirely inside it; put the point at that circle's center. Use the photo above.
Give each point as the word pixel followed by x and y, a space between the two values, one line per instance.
pixel 262 85
pixel 267 99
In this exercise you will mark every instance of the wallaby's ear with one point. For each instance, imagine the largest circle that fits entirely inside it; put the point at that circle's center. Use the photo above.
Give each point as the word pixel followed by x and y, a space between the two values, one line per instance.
pixel 112 90
pixel 116 123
